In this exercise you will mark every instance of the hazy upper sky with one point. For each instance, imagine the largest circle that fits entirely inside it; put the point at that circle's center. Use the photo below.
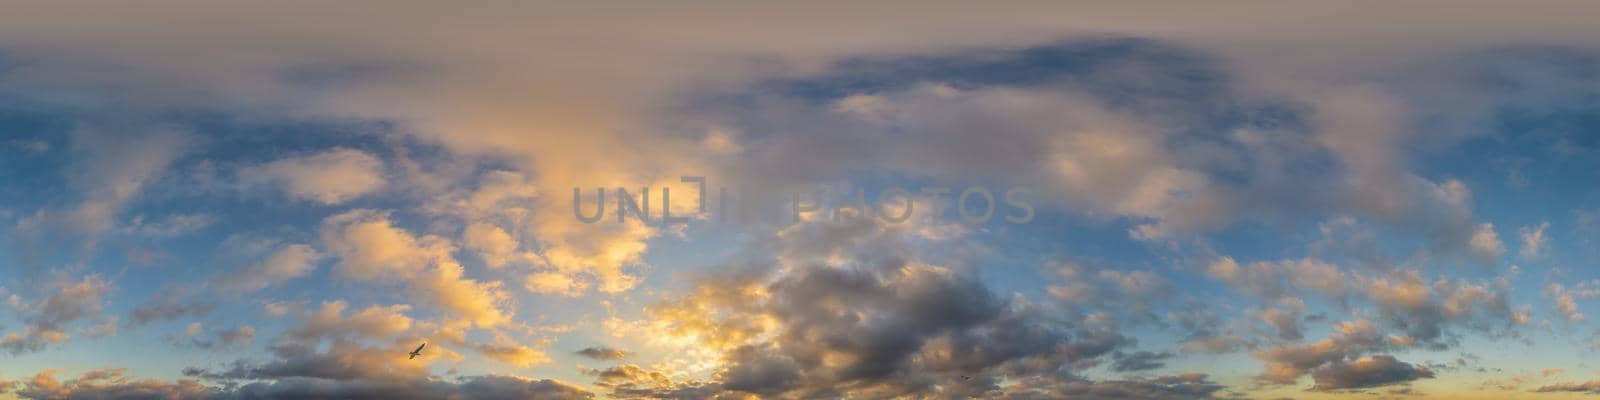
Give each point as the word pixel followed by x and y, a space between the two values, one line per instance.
pixel 940 200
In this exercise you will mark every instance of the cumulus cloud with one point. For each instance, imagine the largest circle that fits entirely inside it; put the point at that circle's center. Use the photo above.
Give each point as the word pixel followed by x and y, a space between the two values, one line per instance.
pixel 1568 387
pixel 1566 303
pixel 1191 385
pixel 1285 365
pixel 331 321
pixel 634 382
pixel 225 339
pixel 334 349
pixel 1285 319
pixel 360 355
pixel 629 375
pixel 170 303
pixel 508 351
pixel 115 168
pixel 1379 370
pixel 1533 239
pixel 333 343
pixel 1105 124
pixel 330 177
pixel 478 387
pixel 875 327
pixel 371 247
pixel 1136 294
pixel 1276 280
pixel 493 244
pixel 113 384
pixel 48 320
pixel 1138 361
pixel 171 226
pixel 1485 243
pixel 109 384
pixel 1424 309
pixel 603 353
pixel 286 263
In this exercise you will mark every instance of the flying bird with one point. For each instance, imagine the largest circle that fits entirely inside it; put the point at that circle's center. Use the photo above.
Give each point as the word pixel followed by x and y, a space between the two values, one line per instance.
pixel 418 351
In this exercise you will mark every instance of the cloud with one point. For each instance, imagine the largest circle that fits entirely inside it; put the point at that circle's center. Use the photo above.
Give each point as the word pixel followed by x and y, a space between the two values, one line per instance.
pixel 168 304
pixel 493 244
pixel 506 351
pixel 172 226
pixel 1138 361
pixel 1485 243
pixel 1379 370
pixel 485 387
pixel 1286 320
pixel 629 375
pixel 1191 385
pixel 1135 294
pixel 114 167
pixel 112 384
pixel 1286 364
pixel 1105 123
pixel 633 382
pixel 1586 387
pixel 1566 303
pixel 329 177
pixel 555 283
pixel 1278 279
pixel 875 326
pixel 286 263
pixel 1424 309
pixel 218 340
pixel 108 384
pixel 1214 344
pixel 48 319
pixel 370 247
pixel 1533 239
pixel 602 353
pixel 330 321
pixel 340 361
pixel 359 352
pixel 337 350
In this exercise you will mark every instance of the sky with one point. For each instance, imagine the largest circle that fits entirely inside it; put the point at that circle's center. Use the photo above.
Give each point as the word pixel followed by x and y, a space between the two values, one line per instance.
pixel 807 200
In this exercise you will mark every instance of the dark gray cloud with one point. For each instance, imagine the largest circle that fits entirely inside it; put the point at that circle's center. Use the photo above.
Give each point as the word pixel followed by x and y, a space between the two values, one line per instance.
pixel 602 353
pixel 1138 361
pixel 1378 370
pixel 1287 363
pixel 1189 386
pixel 341 362
pixel 852 323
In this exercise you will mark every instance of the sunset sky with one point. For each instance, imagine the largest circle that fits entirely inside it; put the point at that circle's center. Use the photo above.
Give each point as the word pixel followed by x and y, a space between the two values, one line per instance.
pixel 1236 200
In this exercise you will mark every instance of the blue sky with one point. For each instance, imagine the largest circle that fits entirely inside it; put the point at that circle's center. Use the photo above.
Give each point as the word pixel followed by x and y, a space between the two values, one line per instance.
pixel 283 207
